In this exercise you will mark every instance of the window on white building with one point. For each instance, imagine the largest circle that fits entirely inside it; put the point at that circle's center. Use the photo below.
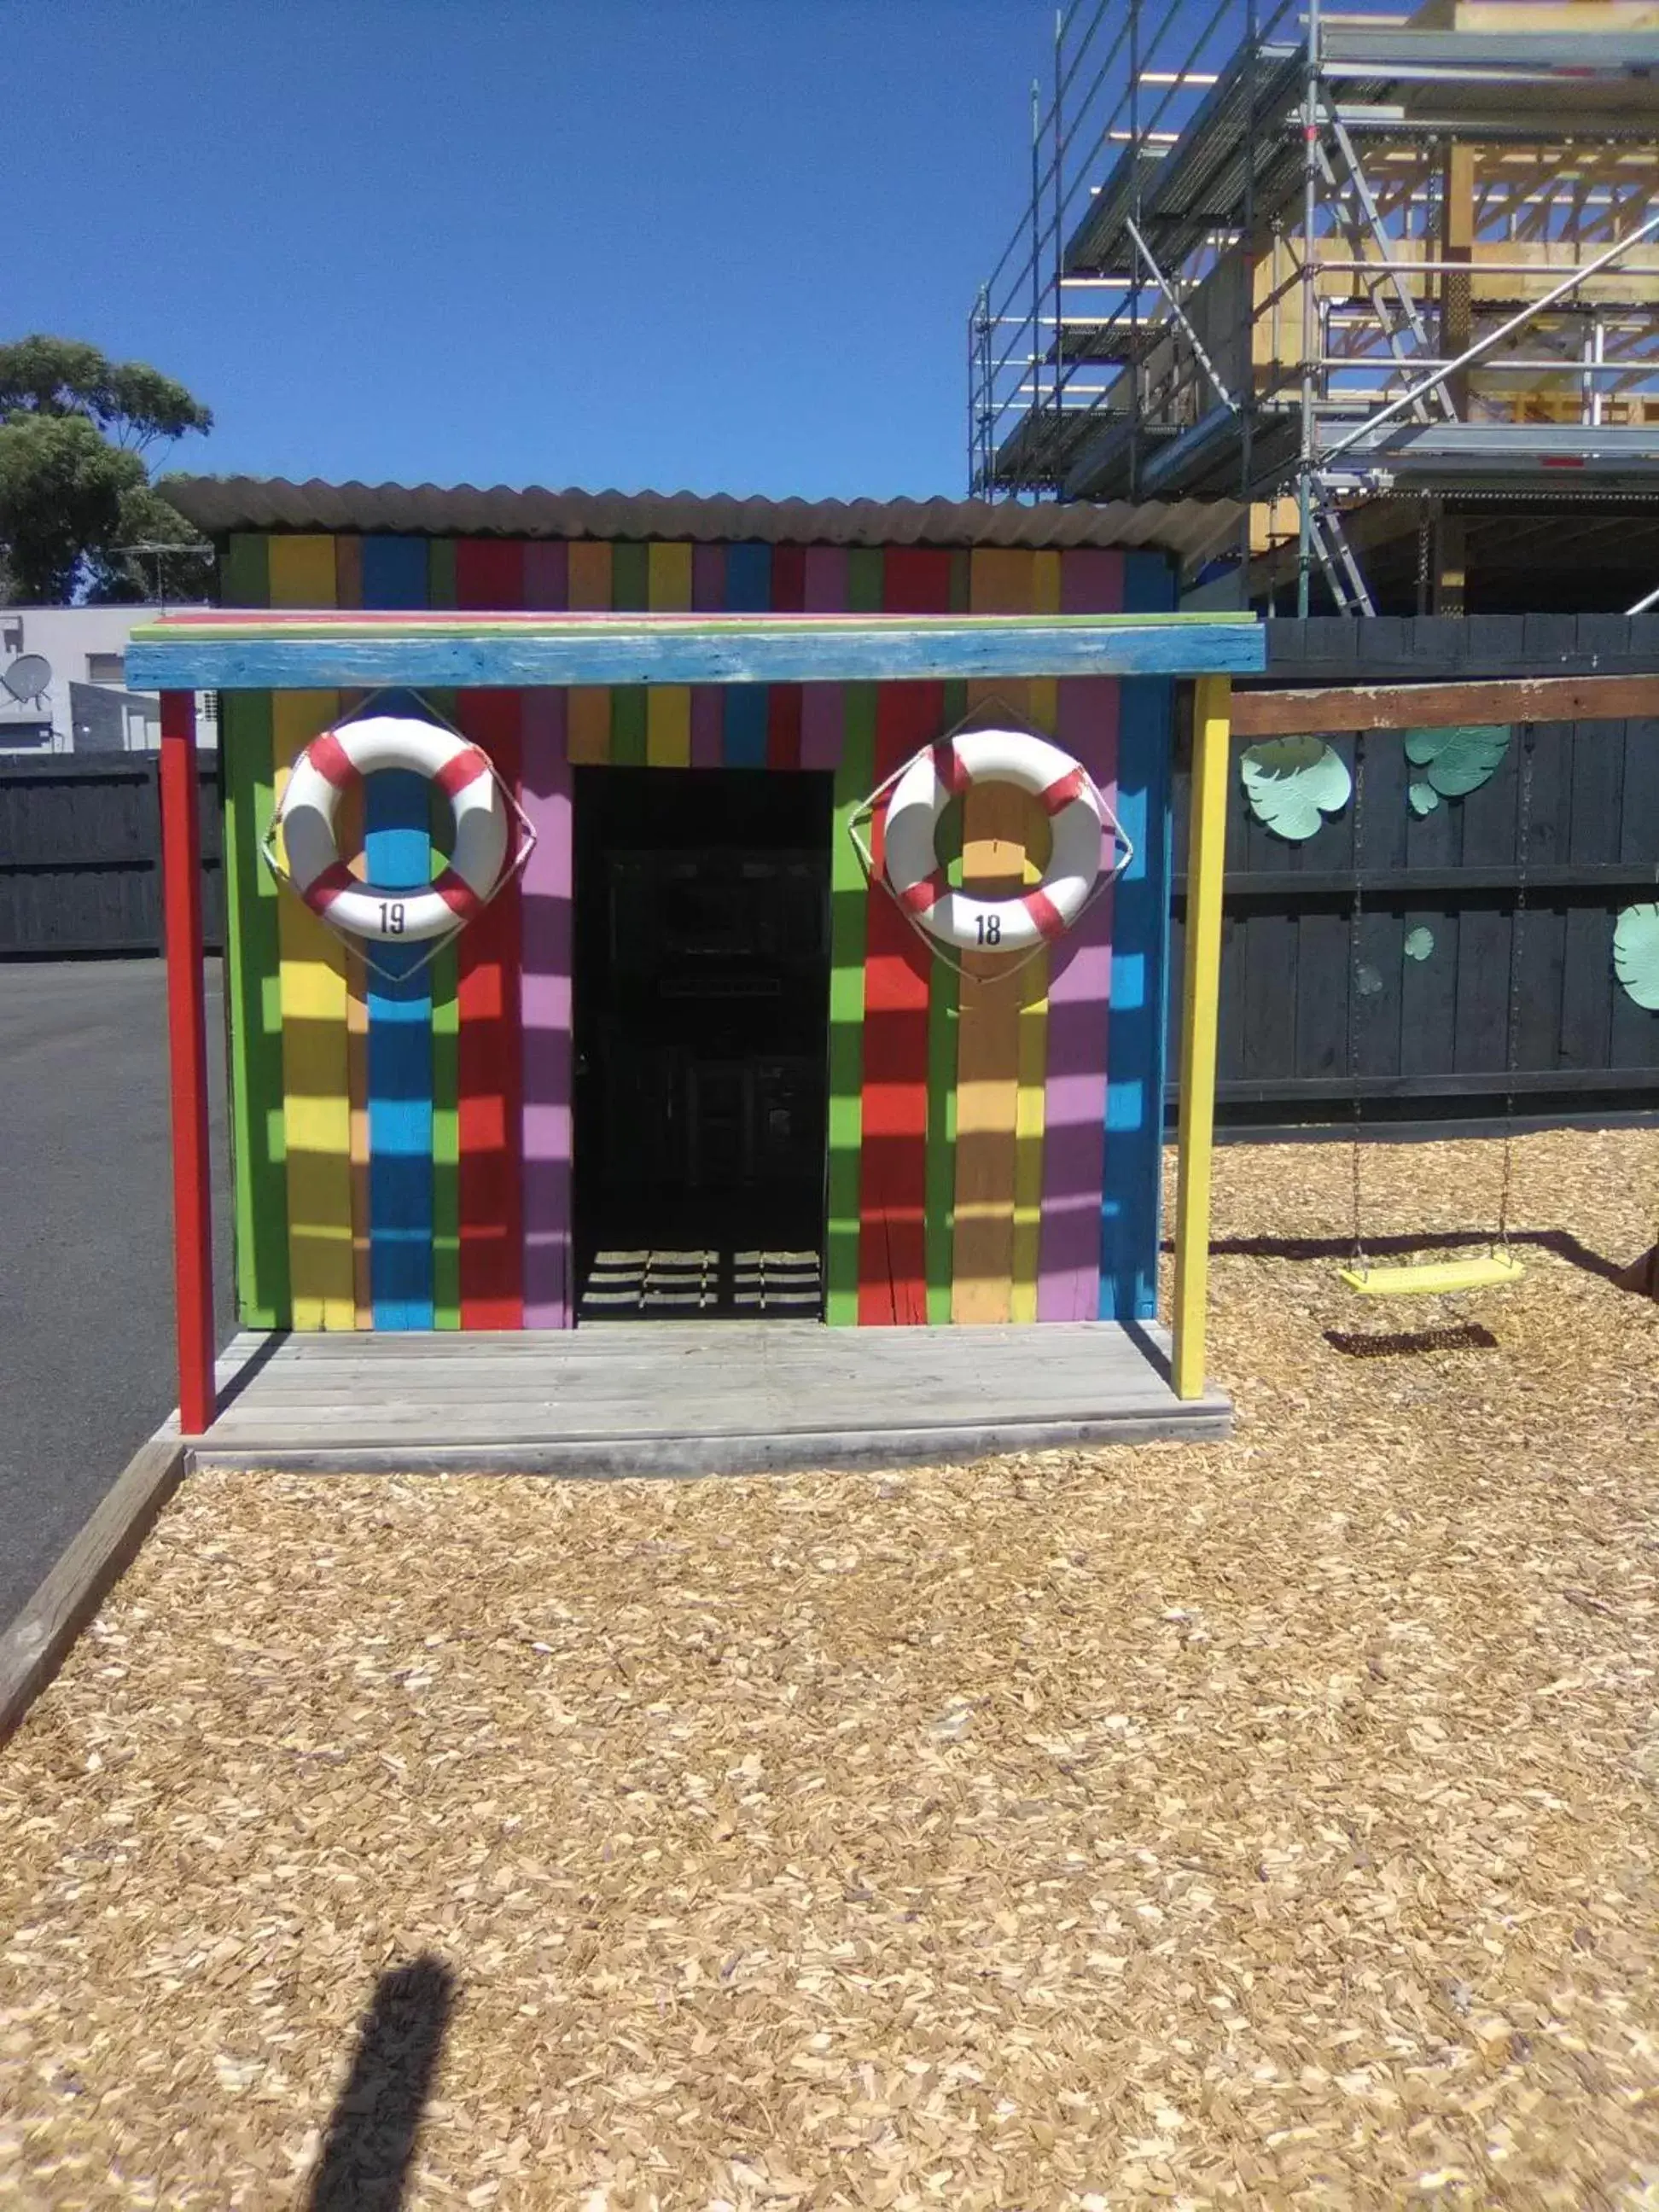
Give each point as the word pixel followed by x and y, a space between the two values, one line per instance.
pixel 108 668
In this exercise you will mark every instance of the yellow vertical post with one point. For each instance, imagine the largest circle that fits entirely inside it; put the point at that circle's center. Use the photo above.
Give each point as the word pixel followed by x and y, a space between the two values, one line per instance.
pixel 1206 860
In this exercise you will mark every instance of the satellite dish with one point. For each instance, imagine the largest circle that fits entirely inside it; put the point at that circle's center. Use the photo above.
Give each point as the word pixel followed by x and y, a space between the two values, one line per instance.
pixel 28 676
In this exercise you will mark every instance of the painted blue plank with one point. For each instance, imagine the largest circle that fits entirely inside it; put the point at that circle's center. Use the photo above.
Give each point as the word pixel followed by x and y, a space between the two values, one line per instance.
pixel 748 590
pixel 394 571
pixel 398 848
pixel 853 655
pixel 1132 1195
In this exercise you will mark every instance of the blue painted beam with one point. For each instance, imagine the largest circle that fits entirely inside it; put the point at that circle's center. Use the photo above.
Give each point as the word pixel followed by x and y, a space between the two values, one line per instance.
pixel 851 655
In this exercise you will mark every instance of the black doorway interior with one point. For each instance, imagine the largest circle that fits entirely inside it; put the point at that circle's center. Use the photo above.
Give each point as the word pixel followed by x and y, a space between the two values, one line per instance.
pixel 702 1029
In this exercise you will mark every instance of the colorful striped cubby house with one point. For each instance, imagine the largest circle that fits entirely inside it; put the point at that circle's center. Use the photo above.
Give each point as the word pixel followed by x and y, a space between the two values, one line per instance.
pixel 693 1033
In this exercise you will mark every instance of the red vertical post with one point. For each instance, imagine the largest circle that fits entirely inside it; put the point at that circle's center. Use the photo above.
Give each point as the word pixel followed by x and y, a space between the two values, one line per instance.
pixel 181 906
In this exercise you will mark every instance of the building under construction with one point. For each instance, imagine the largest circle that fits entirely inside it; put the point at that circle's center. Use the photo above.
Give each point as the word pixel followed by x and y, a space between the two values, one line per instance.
pixel 1388 283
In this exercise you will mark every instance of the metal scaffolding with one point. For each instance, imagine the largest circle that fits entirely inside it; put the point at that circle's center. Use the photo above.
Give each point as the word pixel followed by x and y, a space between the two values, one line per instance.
pixel 1352 268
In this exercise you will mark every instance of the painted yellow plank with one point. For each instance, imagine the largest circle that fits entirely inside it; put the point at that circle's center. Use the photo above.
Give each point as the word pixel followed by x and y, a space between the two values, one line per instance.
pixel 1000 581
pixel 302 573
pixel 589 713
pixel 668 706
pixel 316 1081
pixel 1201 997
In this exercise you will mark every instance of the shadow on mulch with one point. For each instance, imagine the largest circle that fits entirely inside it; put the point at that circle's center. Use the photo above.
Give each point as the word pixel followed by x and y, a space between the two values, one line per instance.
pixel 370 2145
pixel 1466 1336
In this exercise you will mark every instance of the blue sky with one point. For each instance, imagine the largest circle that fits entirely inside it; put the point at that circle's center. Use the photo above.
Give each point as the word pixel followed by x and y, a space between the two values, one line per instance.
pixel 712 244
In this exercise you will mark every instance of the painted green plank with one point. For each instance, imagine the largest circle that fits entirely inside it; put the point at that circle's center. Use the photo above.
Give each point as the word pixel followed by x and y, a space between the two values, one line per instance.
pixel 943 998
pixel 631 594
pixel 848 912
pixel 257 1138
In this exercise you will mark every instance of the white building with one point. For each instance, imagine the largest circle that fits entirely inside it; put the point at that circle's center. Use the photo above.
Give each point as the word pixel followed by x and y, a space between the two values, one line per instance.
pixel 63 685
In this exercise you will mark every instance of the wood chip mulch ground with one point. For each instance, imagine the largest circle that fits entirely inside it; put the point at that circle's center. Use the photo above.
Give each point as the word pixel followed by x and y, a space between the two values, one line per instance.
pixel 1268 1823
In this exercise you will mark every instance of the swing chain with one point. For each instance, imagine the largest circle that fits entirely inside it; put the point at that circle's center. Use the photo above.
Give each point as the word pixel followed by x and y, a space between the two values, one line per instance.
pixel 1511 1043
pixel 1354 970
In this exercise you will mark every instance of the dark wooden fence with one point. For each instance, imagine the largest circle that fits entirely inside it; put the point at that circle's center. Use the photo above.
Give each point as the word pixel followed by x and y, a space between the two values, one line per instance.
pixel 81 856
pixel 80 874
pixel 1429 1034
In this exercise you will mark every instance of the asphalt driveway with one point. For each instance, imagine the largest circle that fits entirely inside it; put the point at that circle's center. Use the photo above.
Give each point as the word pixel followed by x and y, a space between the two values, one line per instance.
pixel 86 1267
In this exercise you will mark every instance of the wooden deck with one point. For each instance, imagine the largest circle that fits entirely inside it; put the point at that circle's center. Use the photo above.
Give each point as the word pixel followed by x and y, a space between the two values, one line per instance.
pixel 661 1398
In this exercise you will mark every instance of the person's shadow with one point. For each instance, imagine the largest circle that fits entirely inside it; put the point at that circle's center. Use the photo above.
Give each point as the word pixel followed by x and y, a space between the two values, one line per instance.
pixel 369 2144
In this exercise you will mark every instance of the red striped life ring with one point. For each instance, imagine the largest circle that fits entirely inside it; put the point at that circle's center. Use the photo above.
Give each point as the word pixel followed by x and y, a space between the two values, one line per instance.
pixel 461 771
pixel 1063 786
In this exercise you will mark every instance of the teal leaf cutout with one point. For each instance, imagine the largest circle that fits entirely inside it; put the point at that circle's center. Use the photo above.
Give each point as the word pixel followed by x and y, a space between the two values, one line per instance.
pixel 1459 760
pixel 1636 954
pixel 1420 943
pixel 1424 797
pixel 1293 783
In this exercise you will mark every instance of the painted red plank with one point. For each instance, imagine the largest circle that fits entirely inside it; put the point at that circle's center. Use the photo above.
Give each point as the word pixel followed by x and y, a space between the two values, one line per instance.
pixel 892 1193
pixel 489 573
pixel 783 704
pixel 192 1201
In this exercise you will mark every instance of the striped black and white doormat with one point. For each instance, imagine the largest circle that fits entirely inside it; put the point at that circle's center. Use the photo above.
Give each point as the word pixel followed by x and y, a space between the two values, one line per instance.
pixel 649 1284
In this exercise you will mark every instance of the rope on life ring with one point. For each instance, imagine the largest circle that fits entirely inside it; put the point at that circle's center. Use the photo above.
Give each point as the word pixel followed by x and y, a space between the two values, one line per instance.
pixel 462 771
pixel 1068 793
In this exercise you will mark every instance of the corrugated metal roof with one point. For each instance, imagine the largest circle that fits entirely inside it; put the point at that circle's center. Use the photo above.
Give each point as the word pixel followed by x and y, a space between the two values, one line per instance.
pixel 221 504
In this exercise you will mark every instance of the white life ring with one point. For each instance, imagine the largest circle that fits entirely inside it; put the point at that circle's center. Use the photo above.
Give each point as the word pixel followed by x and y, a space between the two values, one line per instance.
pixel 461 770
pixel 1063 786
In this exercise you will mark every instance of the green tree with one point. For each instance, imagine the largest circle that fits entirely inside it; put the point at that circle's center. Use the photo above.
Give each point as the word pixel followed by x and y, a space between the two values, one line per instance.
pixel 76 495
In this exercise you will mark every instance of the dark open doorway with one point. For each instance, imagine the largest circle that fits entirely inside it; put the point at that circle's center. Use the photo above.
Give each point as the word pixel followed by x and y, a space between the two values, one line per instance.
pixel 702 1035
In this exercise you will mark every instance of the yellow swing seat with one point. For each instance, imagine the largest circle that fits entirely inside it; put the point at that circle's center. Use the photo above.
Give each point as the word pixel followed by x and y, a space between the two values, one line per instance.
pixel 1435 1277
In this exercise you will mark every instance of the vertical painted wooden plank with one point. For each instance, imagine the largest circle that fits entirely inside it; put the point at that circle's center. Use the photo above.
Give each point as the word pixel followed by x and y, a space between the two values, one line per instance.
pixel 1001 581
pixel 708 699
pixel 446 1037
pixel 1079 991
pixel 193 1173
pixel 1132 1198
pixel 631 594
pixel 445 1142
pixel 351 827
pixel 588 707
pixel 943 1016
pixel 399 853
pixel 317 1109
pixel 849 910
pixel 783 701
pixel 668 706
pixel 824 592
pixel 398 846
pixel 1201 998
pixel 489 573
pixel 253 984
pixel 1030 1106
pixel 547 888
pixel 892 1255
pixel 748 590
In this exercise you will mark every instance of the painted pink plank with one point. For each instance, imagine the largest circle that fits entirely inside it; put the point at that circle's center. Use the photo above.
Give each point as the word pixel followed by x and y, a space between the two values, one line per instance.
pixel 821 703
pixel 1079 991
pixel 545 995
pixel 708 700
